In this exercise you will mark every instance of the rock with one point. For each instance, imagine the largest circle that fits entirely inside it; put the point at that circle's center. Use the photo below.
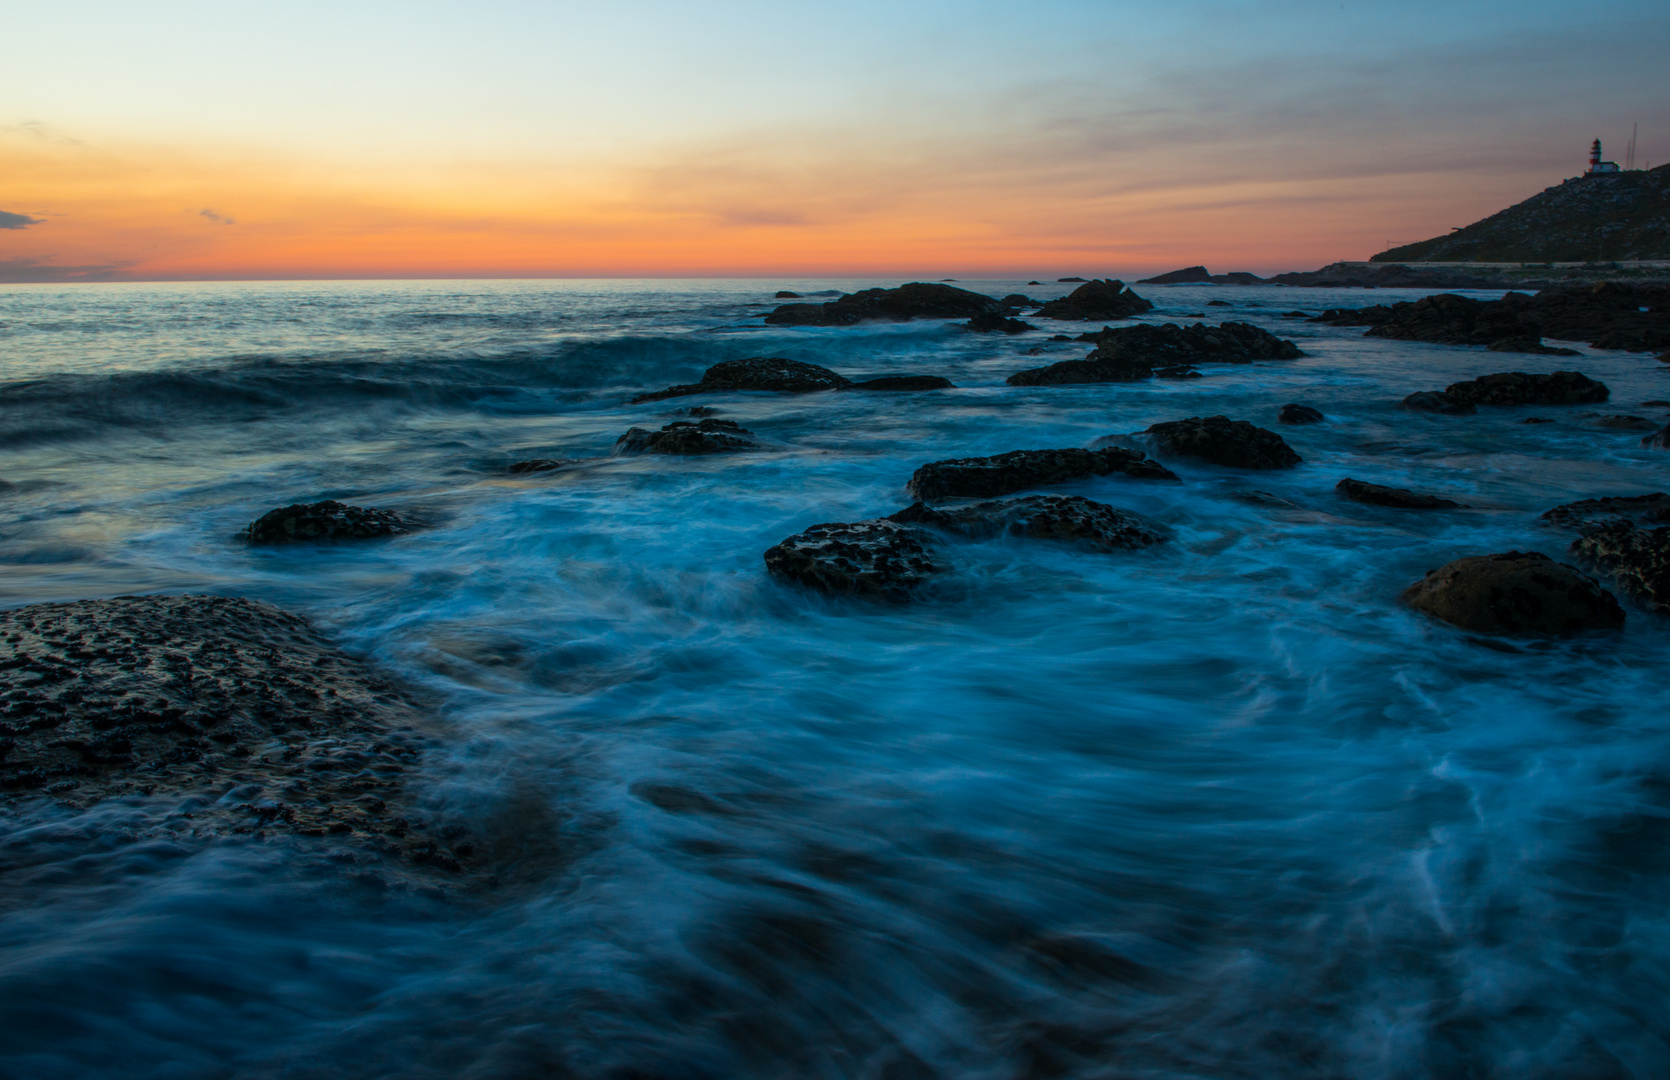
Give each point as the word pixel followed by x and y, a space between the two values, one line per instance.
pixel 1130 353
pixel 756 373
pixel 1263 498
pixel 1043 517
pixel 1060 337
pixel 875 558
pixel 1530 345
pixel 686 437
pixel 1533 419
pixel 1218 303
pixel 1608 315
pixel 1004 474
pixel 1436 401
pixel 1516 592
pixel 1193 275
pixel 1658 440
pixel 1064 280
pixel 918 300
pixel 1587 515
pixel 202 696
pixel 698 411
pixel 1626 423
pixel 542 464
pixel 1070 372
pixel 1235 444
pixel 1096 300
pixel 1196 315
pixel 784 294
pixel 328 520
pixel 1638 559
pixel 1518 388
pixel 1401 498
pixel 1294 413
pixel 1295 315
pixel 997 323
pixel 1035 283
pixel 1655 404
pixel 1018 300
pixel 905 382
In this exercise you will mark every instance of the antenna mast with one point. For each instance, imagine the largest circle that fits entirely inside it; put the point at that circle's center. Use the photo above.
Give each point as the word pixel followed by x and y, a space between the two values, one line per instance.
pixel 1629 157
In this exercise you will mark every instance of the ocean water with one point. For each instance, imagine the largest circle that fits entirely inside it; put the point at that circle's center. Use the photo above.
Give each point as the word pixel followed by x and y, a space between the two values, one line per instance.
pixel 1218 808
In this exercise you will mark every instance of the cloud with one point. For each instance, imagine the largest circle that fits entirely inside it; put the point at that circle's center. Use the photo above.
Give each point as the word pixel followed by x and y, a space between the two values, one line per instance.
pixel 218 219
pixel 44 132
pixel 17 221
pixel 32 270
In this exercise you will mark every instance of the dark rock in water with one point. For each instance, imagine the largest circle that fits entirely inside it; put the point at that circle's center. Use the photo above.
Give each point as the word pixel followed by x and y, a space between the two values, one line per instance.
pixel 1295 314
pixel 997 323
pixel 1436 401
pixel 1005 474
pixel 328 520
pixel 1263 498
pixel 1518 388
pixel 685 437
pixel 1608 315
pixel 1454 320
pixel 1067 279
pixel 875 558
pixel 756 373
pixel 1196 315
pixel 1294 413
pixel 1043 517
pixel 784 294
pixel 1018 300
pixel 1638 559
pixel 1178 371
pixel 1192 275
pixel 1626 423
pixel 197 696
pixel 918 300
pixel 698 411
pixel 1235 444
pixel 1655 404
pixel 1534 419
pixel 1530 345
pixel 1587 515
pixel 1658 440
pixel 1218 303
pixel 1129 353
pixel 1516 592
pixel 1095 300
pixel 905 382
pixel 1401 498
pixel 1035 283
pixel 540 464
pixel 1068 372
pixel 1060 337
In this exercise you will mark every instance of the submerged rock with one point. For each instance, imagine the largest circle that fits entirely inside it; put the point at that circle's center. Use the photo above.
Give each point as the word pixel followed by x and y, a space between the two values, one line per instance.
pixel 1626 423
pixel 1516 592
pixel 756 373
pixel 1005 474
pixel 327 520
pixel 687 437
pixel 207 695
pixel 1587 515
pixel 1236 444
pixel 1044 517
pixel 1519 388
pixel 918 300
pixel 1638 559
pixel 875 558
pixel 1094 300
pixel 1294 413
pixel 998 323
pixel 1436 401
pixel 905 382
pixel 1401 498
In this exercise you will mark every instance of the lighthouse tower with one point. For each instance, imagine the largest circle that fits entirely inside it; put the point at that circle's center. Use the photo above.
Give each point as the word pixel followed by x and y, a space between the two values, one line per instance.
pixel 1597 167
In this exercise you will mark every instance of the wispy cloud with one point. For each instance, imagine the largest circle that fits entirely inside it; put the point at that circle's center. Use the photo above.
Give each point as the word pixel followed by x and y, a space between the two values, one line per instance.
pixel 218 219
pixel 36 270
pixel 17 221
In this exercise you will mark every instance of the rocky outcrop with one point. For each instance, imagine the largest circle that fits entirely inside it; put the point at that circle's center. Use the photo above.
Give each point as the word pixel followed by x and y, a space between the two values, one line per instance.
pixel 905 382
pixel 1436 401
pixel 688 437
pixel 1518 388
pixel 1400 498
pixel 997 324
pixel 328 520
pixel 918 300
pixel 1608 315
pixel 1294 413
pixel 1626 423
pixel 1515 593
pixel 1016 301
pixel 1658 440
pixel 208 695
pixel 1637 559
pixel 1235 444
pixel 1005 474
pixel 1129 353
pixel 1094 301
pixel 784 294
pixel 872 558
pixel 1073 372
pixel 1043 517
pixel 756 373
pixel 1199 275
pixel 1588 515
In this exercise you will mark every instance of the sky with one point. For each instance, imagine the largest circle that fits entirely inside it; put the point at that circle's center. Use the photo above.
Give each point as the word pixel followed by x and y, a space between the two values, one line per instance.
pixel 182 140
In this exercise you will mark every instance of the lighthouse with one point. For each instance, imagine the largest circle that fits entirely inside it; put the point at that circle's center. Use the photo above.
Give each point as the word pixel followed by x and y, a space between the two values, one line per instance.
pixel 1597 167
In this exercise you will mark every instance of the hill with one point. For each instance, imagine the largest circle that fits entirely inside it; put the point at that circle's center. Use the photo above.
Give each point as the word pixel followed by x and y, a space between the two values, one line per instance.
pixel 1616 216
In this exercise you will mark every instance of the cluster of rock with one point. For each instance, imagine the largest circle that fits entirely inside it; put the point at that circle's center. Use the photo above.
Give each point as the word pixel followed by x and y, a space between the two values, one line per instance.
pixel 1095 301
pixel 1628 537
pixel 781 375
pixel 1017 470
pixel 917 300
pixel 327 520
pixel 1235 444
pixel 1039 517
pixel 1199 275
pixel 1510 388
pixel 1129 353
pixel 688 437
pixel 1608 315
pixel 1400 498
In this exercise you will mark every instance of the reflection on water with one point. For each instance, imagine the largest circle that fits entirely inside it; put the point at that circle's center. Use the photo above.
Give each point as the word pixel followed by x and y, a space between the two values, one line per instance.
pixel 1215 808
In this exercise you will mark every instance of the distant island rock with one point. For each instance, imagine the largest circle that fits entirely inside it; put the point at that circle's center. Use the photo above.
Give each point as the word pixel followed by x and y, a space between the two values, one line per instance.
pixel 1199 275
pixel 917 300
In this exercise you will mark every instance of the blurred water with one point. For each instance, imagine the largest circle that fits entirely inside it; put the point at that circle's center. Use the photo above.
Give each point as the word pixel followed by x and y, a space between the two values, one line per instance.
pixel 1218 808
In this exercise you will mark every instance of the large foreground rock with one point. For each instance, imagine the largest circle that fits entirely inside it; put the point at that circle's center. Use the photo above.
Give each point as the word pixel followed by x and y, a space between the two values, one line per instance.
pixel 1516 592
pixel 1017 470
pixel 872 558
pixel 1236 444
pixel 1638 559
pixel 1128 353
pixel 1044 517
pixel 1587 515
pixel 1094 301
pixel 232 700
pixel 1609 315
pixel 756 373
pixel 918 300
pixel 1399 498
pixel 687 437
pixel 328 520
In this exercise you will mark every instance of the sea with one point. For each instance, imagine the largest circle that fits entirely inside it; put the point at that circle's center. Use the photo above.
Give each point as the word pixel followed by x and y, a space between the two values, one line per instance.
pixel 1217 808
